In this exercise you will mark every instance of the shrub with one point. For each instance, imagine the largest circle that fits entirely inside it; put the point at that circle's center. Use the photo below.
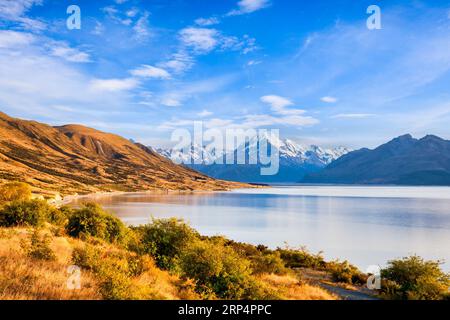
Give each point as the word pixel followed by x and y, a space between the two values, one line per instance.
pixel 413 278
pixel 219 271
pixel 268 263
pixel 92 220
pixel 345 272
pixel 39 247
pixel 301 258
pixel 15 191
pixel 165 239
pixel 115 270
pixel 263 260
pixel 25 213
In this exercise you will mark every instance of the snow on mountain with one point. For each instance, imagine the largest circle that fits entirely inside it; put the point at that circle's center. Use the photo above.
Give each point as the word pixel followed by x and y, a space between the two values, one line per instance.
pixel 289 151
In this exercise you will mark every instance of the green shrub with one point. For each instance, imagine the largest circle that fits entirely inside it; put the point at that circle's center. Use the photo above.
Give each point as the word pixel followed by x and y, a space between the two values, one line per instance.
pixel 92 220
pixel 14 191
pixel 39 248
pixel 413 278
pixel 345 272
pixel 263 260
pixel 25 213
pixel 218 270
pixel 301 258
pixel 87 257
pixel 268 263
pixel 115 270
pixel 165 239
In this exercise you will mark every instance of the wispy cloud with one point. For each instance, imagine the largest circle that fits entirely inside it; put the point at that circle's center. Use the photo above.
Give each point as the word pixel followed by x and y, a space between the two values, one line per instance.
pixel 146 71
pixel 62 50
pixel 201 40
pixel 114 84
pixel 15 11
pixel 205 22
pixel 205 40
pixel 142 27
pixel 179 62
pixel 249 6
pixel 204 113
pixel 279 105
pixel 329 99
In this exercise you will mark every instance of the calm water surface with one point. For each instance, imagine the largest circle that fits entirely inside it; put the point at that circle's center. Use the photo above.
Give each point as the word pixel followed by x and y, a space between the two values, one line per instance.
pixel 365 225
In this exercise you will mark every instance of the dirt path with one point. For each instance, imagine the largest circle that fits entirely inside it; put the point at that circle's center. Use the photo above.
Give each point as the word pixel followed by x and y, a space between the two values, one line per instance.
pixel 346 294
pixel 323 280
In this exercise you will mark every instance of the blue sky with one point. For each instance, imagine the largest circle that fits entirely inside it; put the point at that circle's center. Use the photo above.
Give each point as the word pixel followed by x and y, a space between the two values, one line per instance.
pixel 309 68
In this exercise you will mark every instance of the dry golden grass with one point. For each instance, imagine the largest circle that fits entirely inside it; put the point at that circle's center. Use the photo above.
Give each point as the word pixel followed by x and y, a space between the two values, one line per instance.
pixel 24 278
pixel 290 288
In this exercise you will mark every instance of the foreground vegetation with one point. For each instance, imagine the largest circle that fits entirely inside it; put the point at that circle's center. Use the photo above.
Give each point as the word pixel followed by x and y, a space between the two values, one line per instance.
pixel 166 259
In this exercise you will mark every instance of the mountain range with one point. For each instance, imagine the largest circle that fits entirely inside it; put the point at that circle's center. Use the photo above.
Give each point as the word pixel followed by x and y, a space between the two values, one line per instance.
pixel 76 159
pixel 295 160
pixel 402 161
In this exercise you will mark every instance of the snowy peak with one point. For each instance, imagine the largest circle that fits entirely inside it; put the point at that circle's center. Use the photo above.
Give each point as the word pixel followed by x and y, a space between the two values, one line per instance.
pixel 289 151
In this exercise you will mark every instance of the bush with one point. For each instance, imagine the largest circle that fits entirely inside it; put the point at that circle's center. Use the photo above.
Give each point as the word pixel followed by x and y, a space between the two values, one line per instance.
pixel 115 270
pixel 263 260
pixel 92 220
pixel 165 239
pixel 39 247
pixel 346 273
pixel 413 278
pixel 219 271
pixel 15 191
pixel 301 258
pixel 268 263
pixel 25 213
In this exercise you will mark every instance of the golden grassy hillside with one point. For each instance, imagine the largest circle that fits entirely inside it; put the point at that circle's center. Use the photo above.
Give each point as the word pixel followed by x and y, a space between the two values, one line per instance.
pixel 76 159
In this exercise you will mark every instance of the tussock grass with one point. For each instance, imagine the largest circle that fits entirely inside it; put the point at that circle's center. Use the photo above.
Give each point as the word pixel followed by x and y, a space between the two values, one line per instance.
pixel 289 287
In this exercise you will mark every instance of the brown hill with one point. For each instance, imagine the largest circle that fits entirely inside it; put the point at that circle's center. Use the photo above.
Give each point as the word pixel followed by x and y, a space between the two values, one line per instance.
pixel 76 159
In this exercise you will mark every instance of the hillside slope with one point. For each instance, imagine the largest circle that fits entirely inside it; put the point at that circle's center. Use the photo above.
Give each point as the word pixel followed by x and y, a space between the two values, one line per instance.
pixel 76 159
pixel 403 160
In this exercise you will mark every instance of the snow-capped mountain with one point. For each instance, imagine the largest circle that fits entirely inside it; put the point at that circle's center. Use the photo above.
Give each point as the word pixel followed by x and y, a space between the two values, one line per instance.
pixel 295 161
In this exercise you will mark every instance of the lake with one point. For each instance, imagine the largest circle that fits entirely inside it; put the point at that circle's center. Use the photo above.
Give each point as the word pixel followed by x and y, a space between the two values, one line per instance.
pixel 364 225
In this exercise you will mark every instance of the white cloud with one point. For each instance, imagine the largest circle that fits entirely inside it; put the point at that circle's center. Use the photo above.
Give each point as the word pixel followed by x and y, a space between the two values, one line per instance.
pixel 170 102
pixel 328 99
pixel 113 84
pixel 353 115
pixel 204 113
pixel 142 27
pixel 99 28
pixel 253 63
pixel 146 71
pixel 115 15
pixel 63 50
pixel 14 39
pixel 38 84
pixel 245 45
pixel 179 62
pixel 276 102
pixel 132 12
pixel 204 40
pixel 201 40
pixel 204 22
pixel 15 10
pixel 249 6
